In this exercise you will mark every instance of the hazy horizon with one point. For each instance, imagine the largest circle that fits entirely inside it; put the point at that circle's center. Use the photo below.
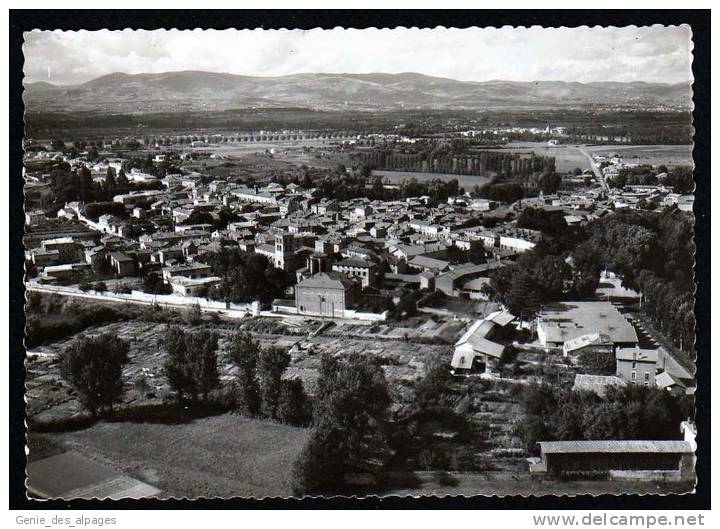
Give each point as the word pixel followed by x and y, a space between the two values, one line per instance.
pixel 655 54
pixel 27 82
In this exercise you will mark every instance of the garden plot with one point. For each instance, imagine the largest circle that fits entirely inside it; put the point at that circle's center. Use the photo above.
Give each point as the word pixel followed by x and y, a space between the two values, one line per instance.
pixel 50 397
pixel 426 329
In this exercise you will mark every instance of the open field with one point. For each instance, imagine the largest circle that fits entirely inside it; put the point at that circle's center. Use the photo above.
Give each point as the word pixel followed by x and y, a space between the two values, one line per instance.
pixel 669 155
pixel 397 177
pixel 225 456
pixel 568 157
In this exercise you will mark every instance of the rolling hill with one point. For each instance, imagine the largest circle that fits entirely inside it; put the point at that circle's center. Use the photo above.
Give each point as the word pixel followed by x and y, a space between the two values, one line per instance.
pixel 197 91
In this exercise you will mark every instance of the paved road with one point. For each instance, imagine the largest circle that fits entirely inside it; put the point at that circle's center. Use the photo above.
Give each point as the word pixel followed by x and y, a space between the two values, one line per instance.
pixel 595 169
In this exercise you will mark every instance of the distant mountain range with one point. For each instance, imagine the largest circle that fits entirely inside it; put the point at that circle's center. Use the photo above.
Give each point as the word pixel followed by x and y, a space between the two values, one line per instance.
pixel 196 91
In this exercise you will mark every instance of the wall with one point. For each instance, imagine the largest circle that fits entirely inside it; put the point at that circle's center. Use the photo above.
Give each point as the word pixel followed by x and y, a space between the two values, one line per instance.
pixel 148 299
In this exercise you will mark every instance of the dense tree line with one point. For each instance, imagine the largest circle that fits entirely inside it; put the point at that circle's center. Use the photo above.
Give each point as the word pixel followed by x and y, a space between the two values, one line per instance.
pixel 629 412
pixel 680 178
pixel 346 187
pixel 550 222
pixel 501 192
pixel 434 160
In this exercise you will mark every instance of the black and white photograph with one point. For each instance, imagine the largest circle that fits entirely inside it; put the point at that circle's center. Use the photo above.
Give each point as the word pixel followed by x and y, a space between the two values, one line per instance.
pixel 358 262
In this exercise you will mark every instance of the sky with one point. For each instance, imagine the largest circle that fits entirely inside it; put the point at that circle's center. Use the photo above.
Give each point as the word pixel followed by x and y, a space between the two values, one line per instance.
pixel 651 54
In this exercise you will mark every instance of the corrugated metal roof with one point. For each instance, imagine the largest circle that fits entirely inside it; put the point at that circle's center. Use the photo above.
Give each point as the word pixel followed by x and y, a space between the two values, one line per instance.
pixel 615 447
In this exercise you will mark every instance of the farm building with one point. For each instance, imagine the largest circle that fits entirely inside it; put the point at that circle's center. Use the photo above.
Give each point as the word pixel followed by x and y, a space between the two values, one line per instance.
pixel 474 350
pixel 563 322
pixel 671 460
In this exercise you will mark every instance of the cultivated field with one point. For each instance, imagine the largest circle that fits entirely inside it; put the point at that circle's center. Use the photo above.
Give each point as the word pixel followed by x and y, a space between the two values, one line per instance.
pixel 49 396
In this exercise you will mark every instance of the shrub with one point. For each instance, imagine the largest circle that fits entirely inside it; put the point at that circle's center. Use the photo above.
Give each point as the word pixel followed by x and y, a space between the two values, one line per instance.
pixel 445 478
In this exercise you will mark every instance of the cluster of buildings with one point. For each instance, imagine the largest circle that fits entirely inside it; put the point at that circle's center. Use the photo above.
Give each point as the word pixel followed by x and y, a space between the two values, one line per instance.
pixel 634 196
pixel 334 249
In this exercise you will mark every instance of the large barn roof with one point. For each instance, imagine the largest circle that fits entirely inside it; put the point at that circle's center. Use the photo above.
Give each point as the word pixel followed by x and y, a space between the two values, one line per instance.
pixel 615 447
pixel 566 321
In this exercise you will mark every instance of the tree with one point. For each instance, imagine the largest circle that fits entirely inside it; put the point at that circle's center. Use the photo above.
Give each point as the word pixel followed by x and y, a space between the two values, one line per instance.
pixel 110 182
pixel 86 185
pixel 100 286
pixel 319 467
pixel 352 395
pixel 93 367
pixel 550 183
pixel 681 179
pixel 272 363
pixel 191 363
pixel 551 274
pixel 292 403
pixel 522 299
pixel 351 400
pixel 597 363
pixel 586 269
pixel 122 179
pixel 244 352
pixel 431 389
pixel 153 284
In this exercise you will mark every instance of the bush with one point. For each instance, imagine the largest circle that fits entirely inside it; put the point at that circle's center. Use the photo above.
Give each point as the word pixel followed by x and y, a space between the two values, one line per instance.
pixel 445 478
